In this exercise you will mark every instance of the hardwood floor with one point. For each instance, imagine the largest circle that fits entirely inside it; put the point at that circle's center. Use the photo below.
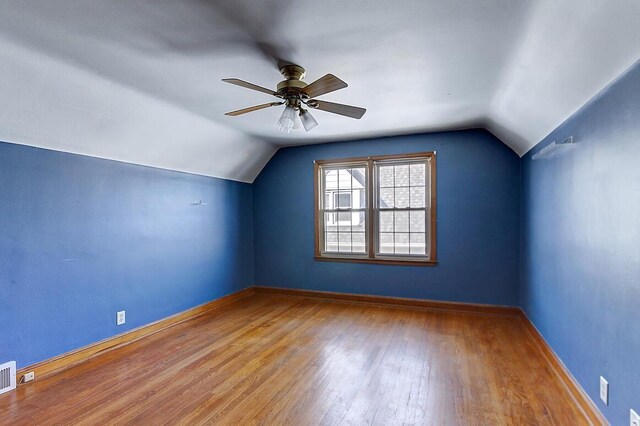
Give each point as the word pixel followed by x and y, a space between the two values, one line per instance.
pixel 269 359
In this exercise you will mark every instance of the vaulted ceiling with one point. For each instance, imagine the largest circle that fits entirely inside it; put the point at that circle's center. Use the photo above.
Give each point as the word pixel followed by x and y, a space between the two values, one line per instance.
pixel 140 80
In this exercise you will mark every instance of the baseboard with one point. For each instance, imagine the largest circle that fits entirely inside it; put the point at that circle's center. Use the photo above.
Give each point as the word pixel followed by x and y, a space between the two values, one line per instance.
pixel 395 301
pixel 69 359
pixel 578 394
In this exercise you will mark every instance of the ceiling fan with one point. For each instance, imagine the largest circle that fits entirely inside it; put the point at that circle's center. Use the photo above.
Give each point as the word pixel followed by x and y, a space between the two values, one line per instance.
pixel 296 94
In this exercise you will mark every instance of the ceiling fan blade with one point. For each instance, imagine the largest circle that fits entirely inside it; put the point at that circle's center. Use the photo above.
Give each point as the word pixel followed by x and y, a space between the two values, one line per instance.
pixel 323 85
pixel 248 85
pixel 346 110
pixel 253 108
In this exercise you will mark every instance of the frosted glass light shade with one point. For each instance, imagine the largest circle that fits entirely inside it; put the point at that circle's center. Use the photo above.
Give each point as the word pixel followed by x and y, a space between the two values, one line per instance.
pixel 287 119
pixel 297 125
pixel 307 120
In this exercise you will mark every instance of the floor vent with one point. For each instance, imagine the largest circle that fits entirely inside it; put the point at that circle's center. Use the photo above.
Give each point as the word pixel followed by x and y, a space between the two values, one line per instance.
pixel 7 377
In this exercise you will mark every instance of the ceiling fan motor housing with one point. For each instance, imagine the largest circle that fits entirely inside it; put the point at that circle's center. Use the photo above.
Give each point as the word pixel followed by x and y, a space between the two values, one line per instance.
pixel 292 72
pixel 292 86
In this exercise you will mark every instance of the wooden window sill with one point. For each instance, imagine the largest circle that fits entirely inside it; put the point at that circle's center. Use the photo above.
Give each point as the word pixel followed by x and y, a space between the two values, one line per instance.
pixel 377 261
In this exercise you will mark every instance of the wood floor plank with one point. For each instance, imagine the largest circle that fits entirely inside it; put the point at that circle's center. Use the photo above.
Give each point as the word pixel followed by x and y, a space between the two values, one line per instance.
pixel 273 359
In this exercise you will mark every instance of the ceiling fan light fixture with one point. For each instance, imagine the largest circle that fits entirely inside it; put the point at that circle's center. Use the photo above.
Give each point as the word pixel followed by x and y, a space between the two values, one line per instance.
pixel 297 125
pixel 287 119
pixel 308 122
pixel 293 93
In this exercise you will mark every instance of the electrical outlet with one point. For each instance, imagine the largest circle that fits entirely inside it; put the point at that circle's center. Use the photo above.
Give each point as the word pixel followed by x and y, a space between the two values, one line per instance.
pixel 634 419
pixel 28 377
pixel 121 318
pixel 604 390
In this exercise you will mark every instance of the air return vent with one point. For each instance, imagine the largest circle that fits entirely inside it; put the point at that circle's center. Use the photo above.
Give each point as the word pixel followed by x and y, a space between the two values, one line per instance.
pixel 7 377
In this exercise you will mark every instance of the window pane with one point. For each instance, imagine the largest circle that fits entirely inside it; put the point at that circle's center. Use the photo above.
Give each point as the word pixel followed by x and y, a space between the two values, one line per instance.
pixel 417 244
pixel 386 221
pixel 343 200
pixel 358 199
pixel 328 200
pixel 416 221
pixel 386 198
pixel 331 179
pixel 358 241
pixel 417 196
pixel 344 179
pixel 417 172
pixel 345 232
pixel 344 242
pixel 386 243
pixel 358 178
pixel 401 222
pixel 394 235
pixel 385 176
pixel 344 222
pixel 331 222
pixel 402 197
pixel 358 222
pixel 331 241
pixel 402 243
pixel 402 175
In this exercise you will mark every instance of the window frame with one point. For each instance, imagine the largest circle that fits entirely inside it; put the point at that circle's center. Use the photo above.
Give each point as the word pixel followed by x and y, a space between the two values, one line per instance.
pixel 371 254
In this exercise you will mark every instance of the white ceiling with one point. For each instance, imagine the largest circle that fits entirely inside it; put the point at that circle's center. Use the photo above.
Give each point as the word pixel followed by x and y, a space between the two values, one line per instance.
pixel 139 80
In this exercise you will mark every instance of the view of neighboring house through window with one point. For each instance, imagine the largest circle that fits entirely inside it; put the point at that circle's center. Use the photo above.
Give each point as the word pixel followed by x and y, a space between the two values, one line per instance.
pixel 377 209
pixel 345 210
pixel 401 208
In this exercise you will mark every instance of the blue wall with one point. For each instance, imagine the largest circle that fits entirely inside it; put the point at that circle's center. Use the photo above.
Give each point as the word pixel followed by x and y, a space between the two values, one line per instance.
pixel 581 245
pixel 478 190
pixel 81 238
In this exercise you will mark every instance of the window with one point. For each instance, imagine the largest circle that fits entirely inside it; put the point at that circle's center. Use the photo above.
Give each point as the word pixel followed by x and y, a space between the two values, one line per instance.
pixel 376 209
pixel 344 209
